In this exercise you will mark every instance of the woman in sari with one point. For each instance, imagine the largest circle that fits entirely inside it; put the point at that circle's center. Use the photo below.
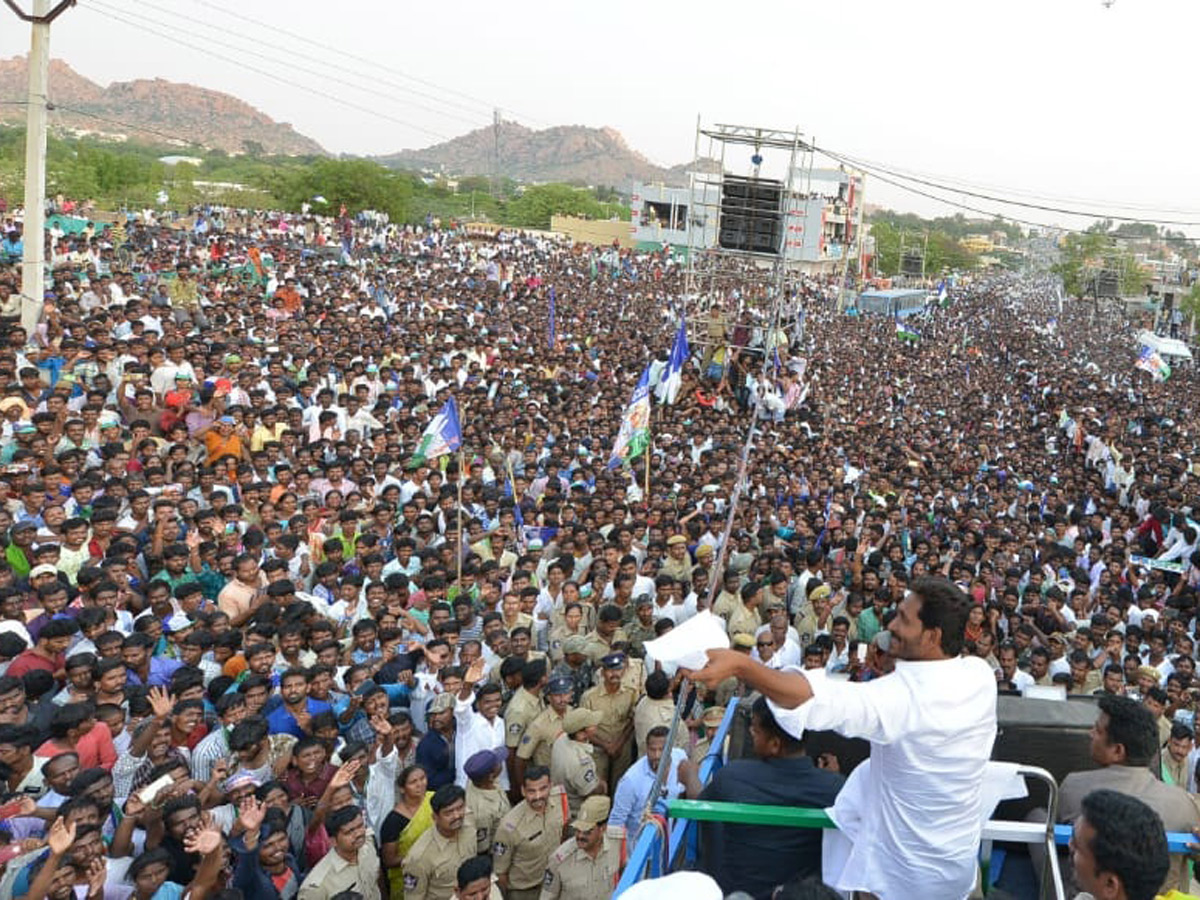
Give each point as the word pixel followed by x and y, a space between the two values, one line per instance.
pixel 404 824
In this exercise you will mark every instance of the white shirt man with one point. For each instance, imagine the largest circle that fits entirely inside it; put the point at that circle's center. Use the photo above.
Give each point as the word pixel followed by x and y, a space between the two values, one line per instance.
pixel 633 790
pixel 913 813
pixel 475 733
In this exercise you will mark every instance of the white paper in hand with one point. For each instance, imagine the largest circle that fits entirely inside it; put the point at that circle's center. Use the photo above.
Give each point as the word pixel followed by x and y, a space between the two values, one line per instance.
pixel 686 645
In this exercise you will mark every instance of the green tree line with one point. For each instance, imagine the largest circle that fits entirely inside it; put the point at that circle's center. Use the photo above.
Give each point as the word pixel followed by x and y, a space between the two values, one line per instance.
pixel 132 174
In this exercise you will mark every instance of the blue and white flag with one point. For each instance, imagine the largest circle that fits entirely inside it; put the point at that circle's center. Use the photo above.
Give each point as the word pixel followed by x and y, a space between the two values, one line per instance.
pixel 668 388
pixel 444 435
pixel 1150 361
pixel 634 435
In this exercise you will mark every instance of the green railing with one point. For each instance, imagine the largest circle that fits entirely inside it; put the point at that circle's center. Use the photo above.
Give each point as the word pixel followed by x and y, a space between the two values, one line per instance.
pixel 749 814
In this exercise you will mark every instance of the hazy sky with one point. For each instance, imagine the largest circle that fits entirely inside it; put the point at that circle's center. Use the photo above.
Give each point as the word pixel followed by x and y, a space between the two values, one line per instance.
pixel 1062 99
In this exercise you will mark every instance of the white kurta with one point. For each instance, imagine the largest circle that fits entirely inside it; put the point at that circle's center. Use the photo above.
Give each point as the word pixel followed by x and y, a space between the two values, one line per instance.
pixel 915 813
pixel 475 733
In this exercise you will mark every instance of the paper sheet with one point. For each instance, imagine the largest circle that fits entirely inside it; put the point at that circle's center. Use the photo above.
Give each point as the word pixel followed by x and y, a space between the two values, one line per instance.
pixel 686 645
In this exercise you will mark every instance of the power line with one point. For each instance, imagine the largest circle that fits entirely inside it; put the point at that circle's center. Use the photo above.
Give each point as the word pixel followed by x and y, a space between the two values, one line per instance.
pixel 992 214
pixel 274 27
pixel 953 182
pixel 58 107
pixel 342 101
pixel 228 35
pixel 980 196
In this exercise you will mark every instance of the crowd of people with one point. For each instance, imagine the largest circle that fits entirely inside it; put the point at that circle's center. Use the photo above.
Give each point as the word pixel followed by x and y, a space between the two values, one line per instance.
pixel 257 642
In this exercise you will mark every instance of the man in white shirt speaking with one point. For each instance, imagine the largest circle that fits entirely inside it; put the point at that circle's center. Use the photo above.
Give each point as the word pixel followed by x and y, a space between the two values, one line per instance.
pixel 914 810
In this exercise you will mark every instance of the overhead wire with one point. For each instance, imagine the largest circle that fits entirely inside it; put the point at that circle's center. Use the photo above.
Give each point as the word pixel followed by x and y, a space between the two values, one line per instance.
pixel 849 160
pixel 274 27
pixel 174 138
pixel 877 174
pixel 292 63
pixel 350 104
pixel 953 183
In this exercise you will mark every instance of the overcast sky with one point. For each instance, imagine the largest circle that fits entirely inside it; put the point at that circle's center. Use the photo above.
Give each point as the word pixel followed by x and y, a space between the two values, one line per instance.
pixel 1061 99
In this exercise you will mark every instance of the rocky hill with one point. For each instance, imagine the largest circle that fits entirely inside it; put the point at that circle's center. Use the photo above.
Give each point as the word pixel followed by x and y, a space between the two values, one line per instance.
pixel 595 156
pixel 190 115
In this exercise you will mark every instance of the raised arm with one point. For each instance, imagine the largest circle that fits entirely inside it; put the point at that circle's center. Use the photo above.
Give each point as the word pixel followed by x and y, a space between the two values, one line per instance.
pixel 787 689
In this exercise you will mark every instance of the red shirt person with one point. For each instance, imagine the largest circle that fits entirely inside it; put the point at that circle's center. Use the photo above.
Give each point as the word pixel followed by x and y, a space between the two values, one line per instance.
pixel 74 729
pixel 49 653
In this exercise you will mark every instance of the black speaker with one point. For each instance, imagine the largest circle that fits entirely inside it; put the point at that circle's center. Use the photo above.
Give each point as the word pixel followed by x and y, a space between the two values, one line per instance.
pixel 1054 735
pixel 912 263
pixel 751 215
pixel 1108 283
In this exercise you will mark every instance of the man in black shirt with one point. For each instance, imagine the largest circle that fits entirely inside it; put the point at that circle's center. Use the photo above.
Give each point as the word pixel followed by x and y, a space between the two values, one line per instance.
pixel 757 858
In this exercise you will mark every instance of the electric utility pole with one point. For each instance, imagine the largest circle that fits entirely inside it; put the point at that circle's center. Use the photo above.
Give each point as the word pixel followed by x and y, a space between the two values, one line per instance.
pixel 33 262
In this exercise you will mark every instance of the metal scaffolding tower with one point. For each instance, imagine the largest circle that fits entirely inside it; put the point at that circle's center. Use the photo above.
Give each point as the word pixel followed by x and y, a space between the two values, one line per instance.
pixel 746 210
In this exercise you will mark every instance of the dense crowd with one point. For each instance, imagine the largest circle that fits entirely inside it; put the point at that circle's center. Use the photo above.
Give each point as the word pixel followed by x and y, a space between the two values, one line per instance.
pixel 254 641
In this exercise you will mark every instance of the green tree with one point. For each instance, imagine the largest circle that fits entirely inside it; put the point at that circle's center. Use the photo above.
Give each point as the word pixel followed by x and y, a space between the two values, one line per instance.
pixel 358 183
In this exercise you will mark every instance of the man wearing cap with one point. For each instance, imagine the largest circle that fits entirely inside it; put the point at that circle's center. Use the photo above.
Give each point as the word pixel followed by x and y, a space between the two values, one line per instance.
pixel 538 739
pixel 588 865
pixel 432 861
pixel 641 629
pixel 710 722
pixel 435 752
pixel 525 706
pixel 528 834
pixel 576 666
pixel 486 803
pixel 615 702
pixel 572 765
pixel 678 563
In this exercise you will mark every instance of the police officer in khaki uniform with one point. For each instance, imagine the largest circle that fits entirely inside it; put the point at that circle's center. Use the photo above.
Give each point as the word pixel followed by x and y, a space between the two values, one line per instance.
pixel 486 803
pixel 576 665
pixel 587 866
pixel 538 739
pixel 571 763
pixel 529 834
pixel 608 632
pixel 431 864
pixel 615 702
pixel 525 706
pixel 710 721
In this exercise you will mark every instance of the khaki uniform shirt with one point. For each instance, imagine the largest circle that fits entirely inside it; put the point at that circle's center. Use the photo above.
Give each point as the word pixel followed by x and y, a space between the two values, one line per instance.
pixel 431 864
pixel 522 710
pixel 598 648
pixel 573 768
pixel 538 739
pixel 616 709
pixel 638 635
pixel 679 569
pixel 488 807
pixel 558 635
pixel 650 714
pixel 525 840
pixel 725 604
pixel 573 875
pixel 744 620
pixel 332 875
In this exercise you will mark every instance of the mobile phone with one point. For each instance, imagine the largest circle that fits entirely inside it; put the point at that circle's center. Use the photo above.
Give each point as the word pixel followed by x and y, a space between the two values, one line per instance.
pixel 10 809
pixel 861 652
pixel 154 788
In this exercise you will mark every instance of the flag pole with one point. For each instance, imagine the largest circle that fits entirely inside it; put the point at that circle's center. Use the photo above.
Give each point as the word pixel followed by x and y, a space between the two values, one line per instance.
pixel 649 450
pixel 459 549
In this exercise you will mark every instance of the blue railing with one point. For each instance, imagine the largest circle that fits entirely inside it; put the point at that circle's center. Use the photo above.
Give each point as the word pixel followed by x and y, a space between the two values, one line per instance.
pixel 651 858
